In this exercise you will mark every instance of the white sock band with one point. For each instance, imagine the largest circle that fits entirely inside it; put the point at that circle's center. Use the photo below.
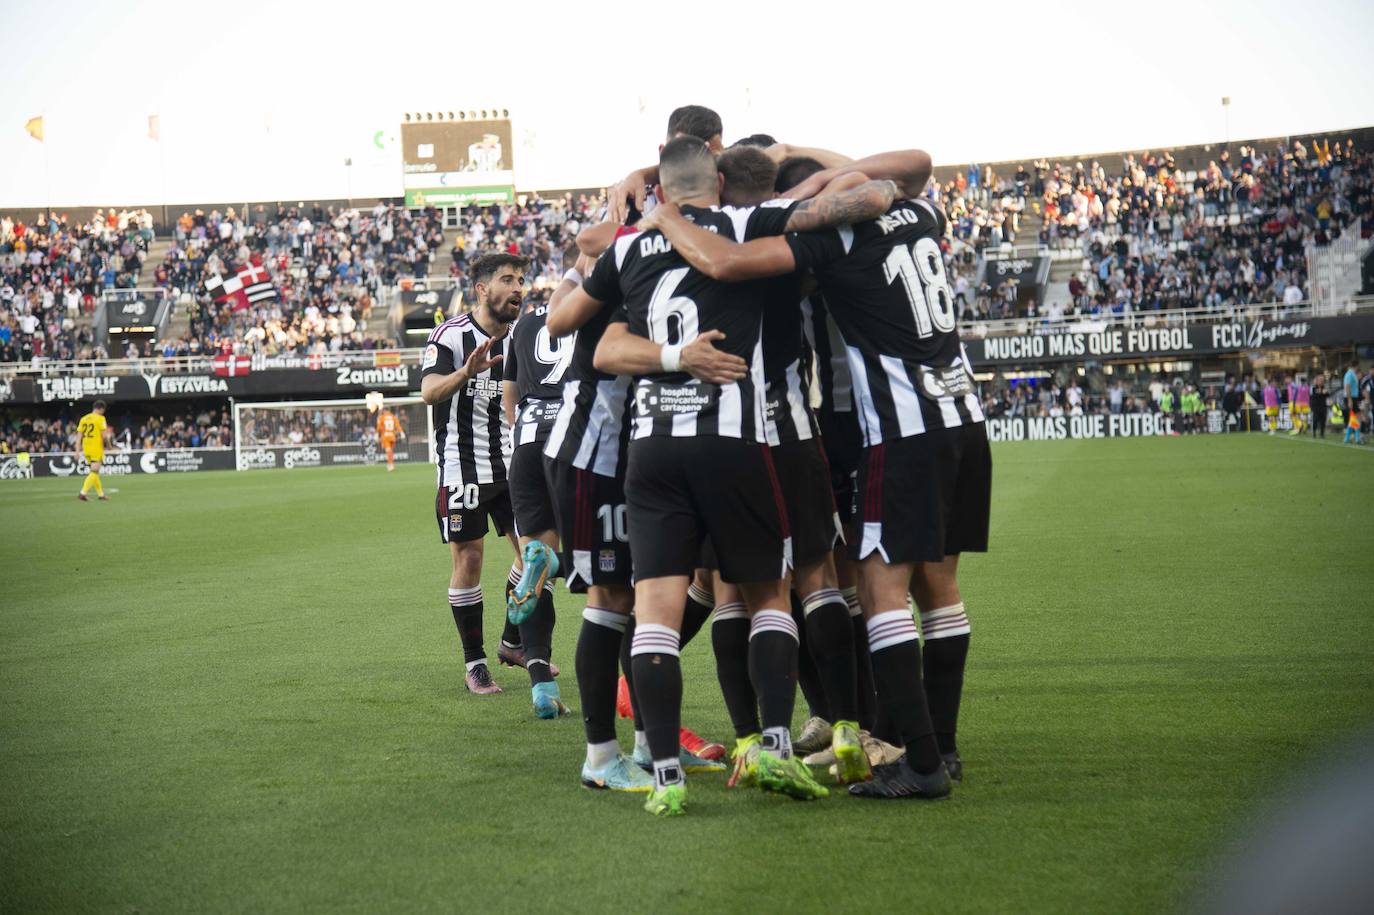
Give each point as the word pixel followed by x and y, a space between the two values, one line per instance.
pixel 821 598
pixel 892 627
pixel 773 621
pixel 735 611
pixel 778 741
pixel 458 597
pixel 597 616
pixel 471 664
pixel 514 576
pixel 599 754
pixel 945 622
pixel 652 638
pixel 700 595
pixel 851 597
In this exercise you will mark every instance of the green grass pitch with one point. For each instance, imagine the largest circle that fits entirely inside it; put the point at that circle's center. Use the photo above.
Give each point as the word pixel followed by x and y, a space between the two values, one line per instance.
pixel 243 692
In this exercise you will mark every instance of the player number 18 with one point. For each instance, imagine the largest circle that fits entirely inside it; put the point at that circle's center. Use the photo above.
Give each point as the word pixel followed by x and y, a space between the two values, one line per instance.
pixel 922 271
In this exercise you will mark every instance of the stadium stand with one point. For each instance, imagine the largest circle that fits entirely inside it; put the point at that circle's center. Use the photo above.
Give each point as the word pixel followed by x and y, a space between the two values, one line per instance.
pixel 204 427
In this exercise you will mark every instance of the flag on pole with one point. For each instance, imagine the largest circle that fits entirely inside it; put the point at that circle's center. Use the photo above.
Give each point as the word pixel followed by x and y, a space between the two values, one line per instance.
pixel 230 290
pixel 257 285
pixel 35 128
pixel 154 127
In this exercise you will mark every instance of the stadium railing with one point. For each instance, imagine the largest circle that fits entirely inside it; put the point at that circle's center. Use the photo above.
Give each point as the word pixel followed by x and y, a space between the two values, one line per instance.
pixel 1269 311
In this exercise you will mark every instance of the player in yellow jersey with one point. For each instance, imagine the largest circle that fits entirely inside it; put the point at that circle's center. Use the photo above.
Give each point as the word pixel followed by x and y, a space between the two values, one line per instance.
pixel 93 432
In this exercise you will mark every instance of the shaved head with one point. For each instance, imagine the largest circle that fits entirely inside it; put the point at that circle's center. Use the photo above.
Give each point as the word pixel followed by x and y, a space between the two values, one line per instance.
pixel 687 170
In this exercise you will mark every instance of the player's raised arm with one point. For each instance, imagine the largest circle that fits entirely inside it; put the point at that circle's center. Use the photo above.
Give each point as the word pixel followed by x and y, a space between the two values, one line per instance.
pixel 623 353
pixel 868 200
pixel 435 388
pixel 909 168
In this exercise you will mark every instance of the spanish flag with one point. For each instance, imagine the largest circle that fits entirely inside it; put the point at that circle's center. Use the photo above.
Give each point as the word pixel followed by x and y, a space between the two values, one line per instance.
pixel 35 128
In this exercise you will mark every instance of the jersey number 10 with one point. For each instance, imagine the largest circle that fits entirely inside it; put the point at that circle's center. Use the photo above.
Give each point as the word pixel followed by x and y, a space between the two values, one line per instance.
pixel 922 271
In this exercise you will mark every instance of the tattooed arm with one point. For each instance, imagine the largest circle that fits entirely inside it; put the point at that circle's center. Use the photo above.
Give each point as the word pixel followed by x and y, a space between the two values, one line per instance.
pixel 841 208
pixel 716 256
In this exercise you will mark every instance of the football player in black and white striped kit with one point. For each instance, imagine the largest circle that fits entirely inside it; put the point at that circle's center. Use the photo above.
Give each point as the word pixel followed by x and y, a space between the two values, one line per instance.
pixel 532 393
pixel 804 478
pixel 698 462
pixel 924 480
pixel 461 382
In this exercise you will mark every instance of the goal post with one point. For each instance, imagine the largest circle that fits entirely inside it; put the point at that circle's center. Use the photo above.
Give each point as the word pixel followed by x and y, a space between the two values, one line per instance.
pixel 328 433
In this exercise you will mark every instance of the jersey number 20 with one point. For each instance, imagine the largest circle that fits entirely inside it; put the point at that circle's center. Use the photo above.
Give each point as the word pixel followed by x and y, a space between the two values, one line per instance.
pixel 921 269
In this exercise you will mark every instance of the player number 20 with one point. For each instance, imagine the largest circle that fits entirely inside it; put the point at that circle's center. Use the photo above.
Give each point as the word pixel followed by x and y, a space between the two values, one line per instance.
pixel 613 523
pixel 921 269
pixel 464 497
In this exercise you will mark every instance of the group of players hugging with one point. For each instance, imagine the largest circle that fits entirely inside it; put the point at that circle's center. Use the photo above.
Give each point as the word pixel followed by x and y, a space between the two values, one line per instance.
pixel 666 459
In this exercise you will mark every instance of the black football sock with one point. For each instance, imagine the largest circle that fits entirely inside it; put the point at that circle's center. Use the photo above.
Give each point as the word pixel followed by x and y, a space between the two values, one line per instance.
pixel 773 671
pixel 598 655
pixel 830 643
pixel 896 650
pixel 628 669
pixel 808 677
pixel 466 604
pixel 863 665
pixel 695 613
pixel 658 677
pixel 730 642
pixel 536 634
pixel 946 633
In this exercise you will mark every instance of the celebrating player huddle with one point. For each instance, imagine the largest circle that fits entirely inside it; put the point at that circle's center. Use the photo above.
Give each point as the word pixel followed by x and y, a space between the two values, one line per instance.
pixel 667 460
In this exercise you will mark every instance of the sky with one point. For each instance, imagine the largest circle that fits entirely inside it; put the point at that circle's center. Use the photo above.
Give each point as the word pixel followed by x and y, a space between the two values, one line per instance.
pixel 266 100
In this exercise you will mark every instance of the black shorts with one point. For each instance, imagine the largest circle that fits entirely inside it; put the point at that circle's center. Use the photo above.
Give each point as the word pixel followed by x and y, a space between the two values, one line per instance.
pixel 529 491
pixel 683 490
pixel 804 477
pixel 463 510
pixel 925 497
pixel 844 443
pixel 593 530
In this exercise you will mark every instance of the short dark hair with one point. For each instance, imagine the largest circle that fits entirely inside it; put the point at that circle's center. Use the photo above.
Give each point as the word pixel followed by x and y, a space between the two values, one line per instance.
pixel 98 405
pixel 686 167
pixel 694 121
pixel 749 174
pixel 794 171
pixel 755 139
pixel 486 266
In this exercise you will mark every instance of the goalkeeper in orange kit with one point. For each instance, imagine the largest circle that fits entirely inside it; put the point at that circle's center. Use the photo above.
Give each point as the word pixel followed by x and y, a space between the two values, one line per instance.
pixel 388 428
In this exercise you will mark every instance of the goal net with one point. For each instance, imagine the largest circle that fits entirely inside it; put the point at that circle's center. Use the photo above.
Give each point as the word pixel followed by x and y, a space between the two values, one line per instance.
pixel 327 433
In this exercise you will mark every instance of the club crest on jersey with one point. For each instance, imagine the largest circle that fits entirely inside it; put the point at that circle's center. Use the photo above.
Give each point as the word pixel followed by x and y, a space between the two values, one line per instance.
pixel 606 561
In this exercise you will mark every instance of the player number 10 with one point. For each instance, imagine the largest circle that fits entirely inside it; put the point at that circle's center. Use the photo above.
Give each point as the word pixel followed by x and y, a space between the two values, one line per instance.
pixel 613 523
pixel 922 271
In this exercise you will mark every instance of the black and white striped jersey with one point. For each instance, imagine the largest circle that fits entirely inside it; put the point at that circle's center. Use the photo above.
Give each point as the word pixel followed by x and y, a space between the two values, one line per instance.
pixel 786 365
pixel 536 362
pixel 590 431
pixel 888 291
pixel 831 360
pixel 669 302
pixel 470 427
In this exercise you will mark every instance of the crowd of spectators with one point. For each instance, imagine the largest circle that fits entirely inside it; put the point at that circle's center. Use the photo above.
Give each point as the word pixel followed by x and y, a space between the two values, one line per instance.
pixel 53 270
pixel 207 427
pixel 312 426
pixel 1152 237
pixel 1156 237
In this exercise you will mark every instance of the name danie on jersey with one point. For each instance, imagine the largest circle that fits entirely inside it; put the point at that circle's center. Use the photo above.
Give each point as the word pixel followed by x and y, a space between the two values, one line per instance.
pixel 655 243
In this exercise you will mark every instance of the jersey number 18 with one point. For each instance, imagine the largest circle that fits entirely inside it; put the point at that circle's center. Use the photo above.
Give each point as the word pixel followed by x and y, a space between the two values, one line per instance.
pixel 921 269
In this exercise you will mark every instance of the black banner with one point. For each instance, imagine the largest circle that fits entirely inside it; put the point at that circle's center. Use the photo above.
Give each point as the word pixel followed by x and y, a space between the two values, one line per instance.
pixel 120 463
pixel 131 316
pixel 152 385
pixel 1152 342
pixel 418 306
pixel 1025 271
